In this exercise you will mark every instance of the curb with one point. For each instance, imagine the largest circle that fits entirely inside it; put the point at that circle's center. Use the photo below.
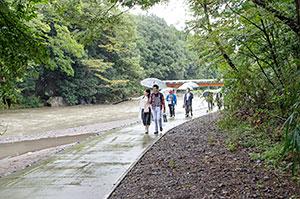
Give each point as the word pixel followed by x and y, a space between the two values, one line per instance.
pixel 120 180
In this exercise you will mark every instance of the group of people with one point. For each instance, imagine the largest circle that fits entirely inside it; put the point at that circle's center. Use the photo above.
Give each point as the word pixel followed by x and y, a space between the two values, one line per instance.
pixel 153 106
pixel 210 101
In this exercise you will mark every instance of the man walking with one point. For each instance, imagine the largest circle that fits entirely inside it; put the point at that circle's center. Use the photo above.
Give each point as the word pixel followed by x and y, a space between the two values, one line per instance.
pixel 219 100
pixel 187 100
pixel 157 102
pixel 210 100
pixel 172 101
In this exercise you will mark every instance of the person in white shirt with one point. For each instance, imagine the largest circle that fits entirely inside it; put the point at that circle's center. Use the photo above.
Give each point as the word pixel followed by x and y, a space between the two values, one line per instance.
pixel 188 101
pixel 146 110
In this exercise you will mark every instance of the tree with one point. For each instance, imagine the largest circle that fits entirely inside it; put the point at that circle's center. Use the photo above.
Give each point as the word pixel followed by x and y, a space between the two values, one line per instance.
pixel 22 44
pixel 265 52
pixel 163 49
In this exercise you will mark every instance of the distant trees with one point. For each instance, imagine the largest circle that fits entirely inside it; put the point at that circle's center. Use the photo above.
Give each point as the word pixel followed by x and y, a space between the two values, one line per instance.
pixel 86 51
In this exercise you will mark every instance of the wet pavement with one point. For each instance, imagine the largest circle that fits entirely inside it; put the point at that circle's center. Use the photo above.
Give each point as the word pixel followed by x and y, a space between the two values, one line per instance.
pixel 89 169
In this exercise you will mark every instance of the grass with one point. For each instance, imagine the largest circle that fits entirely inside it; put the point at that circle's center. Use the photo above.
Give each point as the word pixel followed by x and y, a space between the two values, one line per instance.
pixel 241 134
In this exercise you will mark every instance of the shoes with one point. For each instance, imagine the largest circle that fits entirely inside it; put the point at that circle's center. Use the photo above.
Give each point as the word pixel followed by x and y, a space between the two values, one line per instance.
pixel 146 132
pixel 161 129
pixel 192 114
pixel 155 132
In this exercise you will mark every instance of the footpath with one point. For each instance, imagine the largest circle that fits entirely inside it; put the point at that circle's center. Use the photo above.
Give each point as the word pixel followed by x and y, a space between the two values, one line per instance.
pixel 192 161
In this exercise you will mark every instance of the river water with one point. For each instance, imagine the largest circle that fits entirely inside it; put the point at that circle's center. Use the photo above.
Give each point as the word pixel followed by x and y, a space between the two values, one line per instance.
pixel 90 169
pixel 38 120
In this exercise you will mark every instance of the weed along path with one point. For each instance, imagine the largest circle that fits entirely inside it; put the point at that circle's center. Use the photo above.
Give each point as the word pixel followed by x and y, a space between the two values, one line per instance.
pixel 89 169
pixel 192 161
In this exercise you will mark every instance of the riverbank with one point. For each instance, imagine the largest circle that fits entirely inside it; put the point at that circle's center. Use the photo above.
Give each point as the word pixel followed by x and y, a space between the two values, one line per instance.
pixel 192 161
pixel 37 123
pixel 18 155
pixel 29 135
pixel 88 169
pixel 26 143
pixel 33 135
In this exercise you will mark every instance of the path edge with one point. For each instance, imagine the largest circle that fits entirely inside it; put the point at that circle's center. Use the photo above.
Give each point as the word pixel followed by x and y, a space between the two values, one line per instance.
pixel 120 180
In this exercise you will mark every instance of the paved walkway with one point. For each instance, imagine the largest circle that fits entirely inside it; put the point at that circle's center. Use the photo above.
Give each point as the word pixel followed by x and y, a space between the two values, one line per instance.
pixel 88 170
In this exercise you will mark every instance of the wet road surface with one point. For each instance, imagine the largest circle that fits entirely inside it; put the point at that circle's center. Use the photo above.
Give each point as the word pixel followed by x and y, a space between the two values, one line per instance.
pixel 89 169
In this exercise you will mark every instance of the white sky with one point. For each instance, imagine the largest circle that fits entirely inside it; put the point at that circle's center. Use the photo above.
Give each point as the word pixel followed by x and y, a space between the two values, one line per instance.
pixel 175 12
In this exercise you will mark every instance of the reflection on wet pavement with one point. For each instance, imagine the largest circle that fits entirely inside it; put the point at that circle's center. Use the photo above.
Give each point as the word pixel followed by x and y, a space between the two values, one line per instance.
pixel 87 170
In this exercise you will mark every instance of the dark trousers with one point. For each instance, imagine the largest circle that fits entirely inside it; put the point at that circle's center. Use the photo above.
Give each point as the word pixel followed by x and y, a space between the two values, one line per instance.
pixel 146 117
pixel 172 109
pixel 188 110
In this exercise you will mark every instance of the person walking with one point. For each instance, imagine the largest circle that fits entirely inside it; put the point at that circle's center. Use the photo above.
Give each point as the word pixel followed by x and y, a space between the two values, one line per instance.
pixel 210 100
pixel 172 101
pixel 146 110
pixel 157 102
pixel 188 101
pixel 219 100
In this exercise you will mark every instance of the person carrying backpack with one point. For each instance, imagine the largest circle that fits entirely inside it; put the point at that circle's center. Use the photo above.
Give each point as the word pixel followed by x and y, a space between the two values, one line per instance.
pixel 157 102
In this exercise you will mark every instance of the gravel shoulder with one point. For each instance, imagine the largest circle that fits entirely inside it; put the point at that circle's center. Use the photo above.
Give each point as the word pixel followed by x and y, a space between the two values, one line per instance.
pixel 191 161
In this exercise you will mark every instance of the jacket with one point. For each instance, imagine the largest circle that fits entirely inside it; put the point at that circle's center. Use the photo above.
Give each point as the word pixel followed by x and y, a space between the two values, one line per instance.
pixel 174 100
pixel 188 101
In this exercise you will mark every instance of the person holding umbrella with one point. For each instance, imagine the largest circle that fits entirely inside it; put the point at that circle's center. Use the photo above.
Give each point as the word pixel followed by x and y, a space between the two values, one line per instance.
pixel 157 102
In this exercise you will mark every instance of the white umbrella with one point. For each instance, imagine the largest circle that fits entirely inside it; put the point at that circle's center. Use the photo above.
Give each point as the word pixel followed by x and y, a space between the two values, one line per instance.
pixel 193 84
pixel 149 82
pixel 185 86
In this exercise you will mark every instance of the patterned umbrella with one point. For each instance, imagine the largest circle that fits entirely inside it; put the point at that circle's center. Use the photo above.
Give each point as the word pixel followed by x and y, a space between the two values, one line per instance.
pixel 193 84
pixel 185 86
pixel 149 82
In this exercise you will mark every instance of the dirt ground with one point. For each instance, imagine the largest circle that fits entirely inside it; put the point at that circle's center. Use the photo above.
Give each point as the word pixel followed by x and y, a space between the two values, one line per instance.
pixel 191 161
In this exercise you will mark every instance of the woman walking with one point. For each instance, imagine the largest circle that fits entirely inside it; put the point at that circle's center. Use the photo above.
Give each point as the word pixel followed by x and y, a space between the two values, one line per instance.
pixel 146 110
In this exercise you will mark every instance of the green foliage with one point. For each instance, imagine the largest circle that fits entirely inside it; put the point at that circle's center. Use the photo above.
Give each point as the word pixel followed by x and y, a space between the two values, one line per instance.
pixel 257 139
pixel 165 48
pixel 257 53
pixel 21 43
pixel 143 3
pixel 31 102
pixel 90 52
pixel 292 136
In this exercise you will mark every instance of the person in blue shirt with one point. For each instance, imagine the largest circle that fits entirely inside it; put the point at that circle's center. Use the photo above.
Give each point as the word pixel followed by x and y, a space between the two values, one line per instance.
pixel 172 101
